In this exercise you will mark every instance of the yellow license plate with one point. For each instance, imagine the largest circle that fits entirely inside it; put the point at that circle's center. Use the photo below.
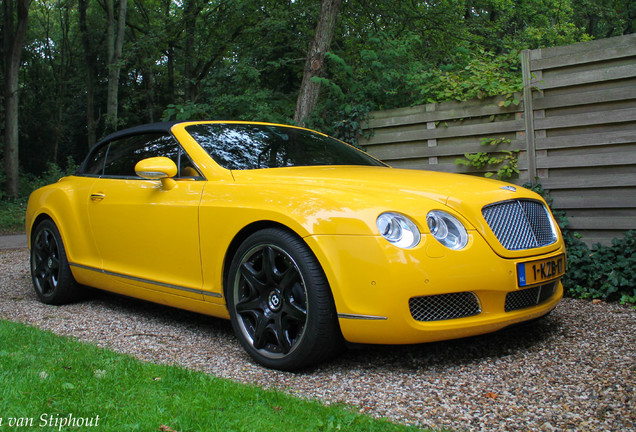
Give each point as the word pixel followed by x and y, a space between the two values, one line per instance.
pixel 536 272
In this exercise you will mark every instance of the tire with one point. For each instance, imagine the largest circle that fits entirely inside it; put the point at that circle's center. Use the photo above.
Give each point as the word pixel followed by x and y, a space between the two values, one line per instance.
pixel 280 302
pixel 50 272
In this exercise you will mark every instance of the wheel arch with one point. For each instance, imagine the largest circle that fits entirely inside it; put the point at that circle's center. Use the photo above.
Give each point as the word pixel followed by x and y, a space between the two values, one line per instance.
pixel 43 215
pixel 241 236
pixel 39 218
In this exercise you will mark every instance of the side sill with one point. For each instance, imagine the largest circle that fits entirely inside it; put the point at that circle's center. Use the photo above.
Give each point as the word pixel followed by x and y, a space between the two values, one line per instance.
pixel 137 279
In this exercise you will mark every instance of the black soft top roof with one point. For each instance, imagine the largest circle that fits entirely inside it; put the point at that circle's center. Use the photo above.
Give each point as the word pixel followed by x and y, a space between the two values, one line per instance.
pixel 162 127
pixel 136 130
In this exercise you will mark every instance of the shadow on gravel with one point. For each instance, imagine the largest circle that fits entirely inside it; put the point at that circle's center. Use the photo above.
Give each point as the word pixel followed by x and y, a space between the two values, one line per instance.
pixel 448 354
pixel 164 315
pixel 445 355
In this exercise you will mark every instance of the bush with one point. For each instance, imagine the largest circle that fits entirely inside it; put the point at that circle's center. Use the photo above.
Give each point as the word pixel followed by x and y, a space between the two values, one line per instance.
pixel 30 182
pixel 12 210
pixel 602 272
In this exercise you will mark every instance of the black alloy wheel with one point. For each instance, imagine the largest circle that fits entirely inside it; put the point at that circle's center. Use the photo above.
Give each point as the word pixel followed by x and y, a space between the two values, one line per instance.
pixel 280 302
pixel 50 272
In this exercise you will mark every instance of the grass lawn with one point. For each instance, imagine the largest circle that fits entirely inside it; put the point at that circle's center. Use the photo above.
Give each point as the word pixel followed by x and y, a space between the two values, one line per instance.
pixel 48 382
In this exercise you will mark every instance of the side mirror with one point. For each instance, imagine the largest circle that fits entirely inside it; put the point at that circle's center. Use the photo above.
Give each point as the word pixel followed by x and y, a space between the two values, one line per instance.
pixel 158 168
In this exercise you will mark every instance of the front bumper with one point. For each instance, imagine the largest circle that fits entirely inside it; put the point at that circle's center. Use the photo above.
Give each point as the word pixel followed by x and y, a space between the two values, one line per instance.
pixel 372 282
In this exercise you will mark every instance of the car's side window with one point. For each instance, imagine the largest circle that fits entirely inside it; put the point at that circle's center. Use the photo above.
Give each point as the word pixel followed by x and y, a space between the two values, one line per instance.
pixel 122 155
pixel 95 165
pixel 187 169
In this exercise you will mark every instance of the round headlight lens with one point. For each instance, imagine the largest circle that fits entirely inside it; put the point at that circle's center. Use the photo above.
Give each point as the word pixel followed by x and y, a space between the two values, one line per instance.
pixel 447 229
pixel 398 230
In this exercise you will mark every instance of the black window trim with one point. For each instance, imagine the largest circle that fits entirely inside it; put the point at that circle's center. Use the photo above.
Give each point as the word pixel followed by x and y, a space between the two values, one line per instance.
pixel 127 133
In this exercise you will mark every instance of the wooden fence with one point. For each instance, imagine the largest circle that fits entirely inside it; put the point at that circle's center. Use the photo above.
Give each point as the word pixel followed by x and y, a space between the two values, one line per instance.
pixel 575 129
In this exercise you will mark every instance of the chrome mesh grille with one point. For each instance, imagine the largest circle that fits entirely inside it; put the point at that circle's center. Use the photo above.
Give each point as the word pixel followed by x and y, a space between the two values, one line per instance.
pixel 529 297
pixel 520 224
pixel 444 306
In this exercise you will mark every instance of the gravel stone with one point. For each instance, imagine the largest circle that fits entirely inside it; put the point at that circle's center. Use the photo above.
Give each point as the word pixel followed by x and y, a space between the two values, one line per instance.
pixel 572 371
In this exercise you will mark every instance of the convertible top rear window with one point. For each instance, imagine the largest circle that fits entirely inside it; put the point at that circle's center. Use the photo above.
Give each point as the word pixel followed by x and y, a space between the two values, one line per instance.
pixel 253 146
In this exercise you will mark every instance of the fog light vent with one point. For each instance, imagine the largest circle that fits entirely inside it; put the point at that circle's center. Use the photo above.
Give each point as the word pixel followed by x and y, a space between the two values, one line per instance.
pixel 529 297
pixel 444 306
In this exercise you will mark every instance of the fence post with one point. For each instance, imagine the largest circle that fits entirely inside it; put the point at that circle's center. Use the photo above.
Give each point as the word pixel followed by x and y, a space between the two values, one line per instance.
pixel 431 142
pixel 528 113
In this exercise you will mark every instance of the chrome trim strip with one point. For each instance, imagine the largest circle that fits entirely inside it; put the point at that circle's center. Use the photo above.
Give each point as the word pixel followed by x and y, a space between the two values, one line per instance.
pixel 361 317
pixel 165 285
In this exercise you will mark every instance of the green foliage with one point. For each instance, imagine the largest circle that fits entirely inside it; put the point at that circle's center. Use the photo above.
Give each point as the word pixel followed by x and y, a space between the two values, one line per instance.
pixel 503 161
pixel 345 124
pixel 43 373
pixel 501 24
pixel 510 99
pixel 244 59
pixel 561 34
pixel 186 111
pixel 472 75
pixel 12 216
pixel 603 18
pixel 3 179
pixel 12 211
pixel 353 120
pixel 602 272
pixel 52 174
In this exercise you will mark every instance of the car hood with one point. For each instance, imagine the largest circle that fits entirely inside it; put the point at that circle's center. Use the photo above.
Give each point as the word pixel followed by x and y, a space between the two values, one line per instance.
pixel 405 191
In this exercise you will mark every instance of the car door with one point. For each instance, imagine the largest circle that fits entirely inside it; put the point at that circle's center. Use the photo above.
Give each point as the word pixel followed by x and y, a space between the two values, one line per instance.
pixel 146 234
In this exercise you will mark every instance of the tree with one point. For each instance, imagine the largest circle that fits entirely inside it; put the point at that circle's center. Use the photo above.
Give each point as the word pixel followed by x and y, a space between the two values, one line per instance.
pixel 14 34
pixel 210 29
pixel 114 43
pixel 245 59
pixel 90 59
pixel 605 18
pixel 318 47
pixel 192 9
pixel 52 54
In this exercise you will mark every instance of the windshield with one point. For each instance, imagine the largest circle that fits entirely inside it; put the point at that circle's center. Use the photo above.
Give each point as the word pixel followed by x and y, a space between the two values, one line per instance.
pixel 253 146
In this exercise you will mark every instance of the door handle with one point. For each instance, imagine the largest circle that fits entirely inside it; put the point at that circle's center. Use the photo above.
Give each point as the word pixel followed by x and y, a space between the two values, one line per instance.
pixel 98 196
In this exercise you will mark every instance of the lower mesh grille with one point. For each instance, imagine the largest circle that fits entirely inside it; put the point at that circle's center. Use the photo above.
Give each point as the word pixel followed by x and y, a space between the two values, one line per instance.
pixel 529 297
pixel 444 306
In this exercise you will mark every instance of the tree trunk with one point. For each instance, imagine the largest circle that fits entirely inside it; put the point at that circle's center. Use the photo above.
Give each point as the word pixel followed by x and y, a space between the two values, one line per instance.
pixel 14 36
pixel 191 11
pixel 91 72
pixel 318 47
pixel 115 44
pixel 61 72
pixel 171 89
pixel 148 79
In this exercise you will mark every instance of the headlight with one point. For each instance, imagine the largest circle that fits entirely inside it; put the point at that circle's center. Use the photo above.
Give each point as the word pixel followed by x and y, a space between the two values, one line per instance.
pixel 398 230
pixel 447 229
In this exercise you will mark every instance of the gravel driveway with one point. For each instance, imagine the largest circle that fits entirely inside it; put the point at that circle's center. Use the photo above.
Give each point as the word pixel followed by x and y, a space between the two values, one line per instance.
pixel 574 370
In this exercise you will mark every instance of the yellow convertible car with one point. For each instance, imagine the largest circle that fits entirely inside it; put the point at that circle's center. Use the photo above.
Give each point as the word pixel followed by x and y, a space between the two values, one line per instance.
pixel 301 240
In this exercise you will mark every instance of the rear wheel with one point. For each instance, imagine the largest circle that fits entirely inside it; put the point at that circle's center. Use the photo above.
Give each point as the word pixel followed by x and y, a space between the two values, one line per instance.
pixel 50 272
pixel 280 302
